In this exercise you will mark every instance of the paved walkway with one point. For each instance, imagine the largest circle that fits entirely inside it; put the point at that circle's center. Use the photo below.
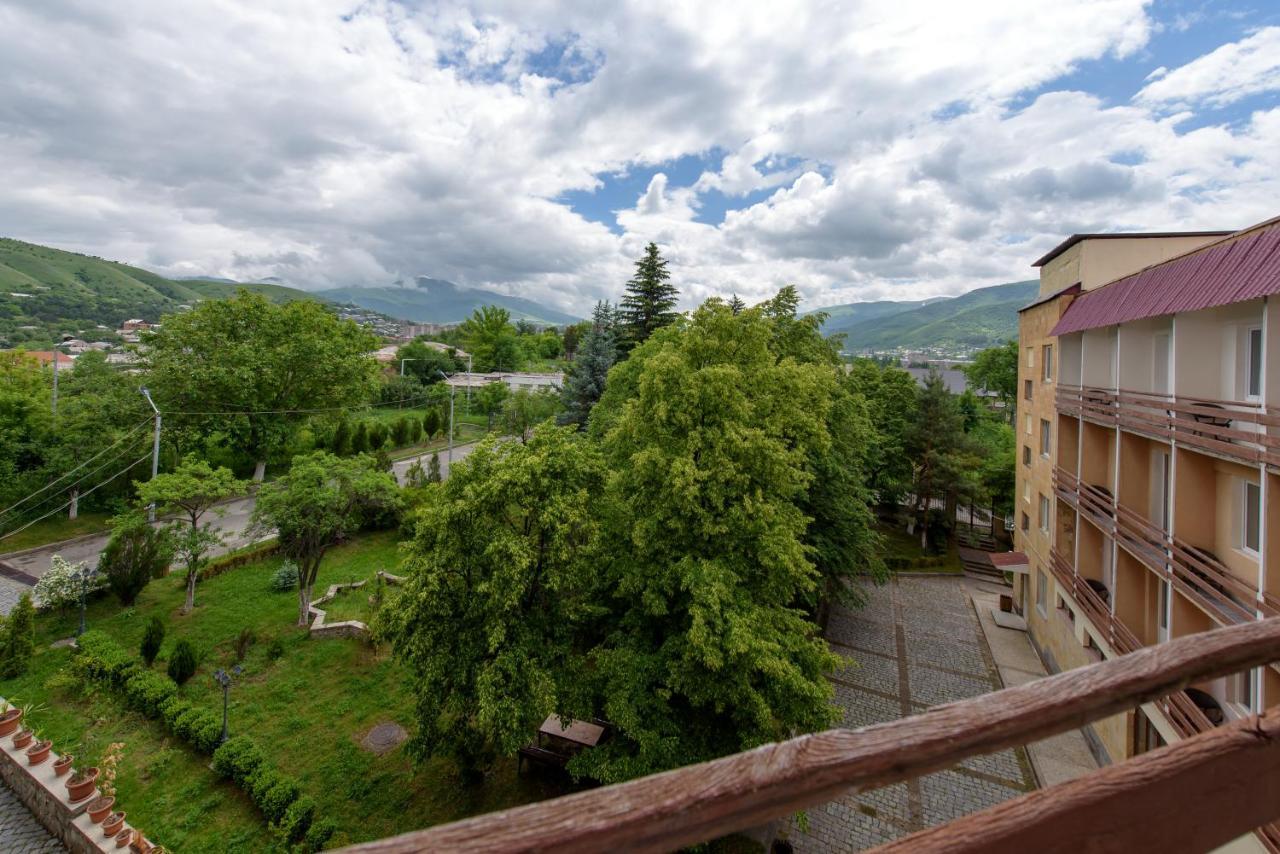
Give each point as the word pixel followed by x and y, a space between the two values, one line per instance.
pixel 916 644
pixel 20 833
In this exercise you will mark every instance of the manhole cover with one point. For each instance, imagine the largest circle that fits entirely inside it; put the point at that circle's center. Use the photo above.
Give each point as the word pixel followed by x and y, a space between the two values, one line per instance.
pixel 384 737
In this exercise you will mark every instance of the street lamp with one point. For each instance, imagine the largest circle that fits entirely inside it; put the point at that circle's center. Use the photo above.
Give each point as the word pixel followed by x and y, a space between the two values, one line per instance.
pixel 451 393
pixel 86 576
pixel 402 361
pixel 223 678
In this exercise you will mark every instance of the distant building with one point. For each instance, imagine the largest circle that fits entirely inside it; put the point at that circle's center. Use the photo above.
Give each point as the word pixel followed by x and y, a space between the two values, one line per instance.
pixel 514 380
pixel 46 357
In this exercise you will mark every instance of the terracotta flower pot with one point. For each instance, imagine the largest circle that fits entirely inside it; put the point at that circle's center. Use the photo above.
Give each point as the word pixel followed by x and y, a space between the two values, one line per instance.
pixel 99 808
pixel 113 825
pixel 38 752
pixel 9 721
pixel 123 838
pixel 23 738
pixel 62 765
pixel 80 785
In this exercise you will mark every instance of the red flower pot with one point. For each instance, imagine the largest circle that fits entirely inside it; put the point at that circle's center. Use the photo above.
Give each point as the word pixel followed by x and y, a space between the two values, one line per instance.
pixel 9 721
pixel 113 825
pixel 38 752
pixel 23 738
pixel 99 808
pixel 123 838
pixel 62 765
pixel 81 784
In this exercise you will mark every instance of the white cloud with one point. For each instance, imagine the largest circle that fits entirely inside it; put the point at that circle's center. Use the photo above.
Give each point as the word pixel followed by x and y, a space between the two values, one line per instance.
pixel 1226 75
pixel 334 143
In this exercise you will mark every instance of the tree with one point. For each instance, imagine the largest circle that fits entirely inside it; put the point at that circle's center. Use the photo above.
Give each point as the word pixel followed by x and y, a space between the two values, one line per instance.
pixel 586 380
pixel 650 300
pixel 415 431
pixel 892 400
pixel 360 439
pixel 935 444
pixel 192 489
pixel 63 583
pixel 707 435
pixel 524 409
pixel 400 432
pixel 736 305
pixel 433 468
pixel 424 362
pixel 501 573
pixel 152 639
pixel 573 335
pixel 342 439
pixel 996 369
pixel 431 423
pixel 183 661
pixel 136 553
pixel 491 339
pixel 254 370
pixel 18 642
pixel 322 499
pixel 489 399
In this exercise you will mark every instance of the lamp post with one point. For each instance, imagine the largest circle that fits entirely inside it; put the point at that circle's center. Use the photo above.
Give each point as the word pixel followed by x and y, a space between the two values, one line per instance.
pixel 451 393
pixel 155 449
pixel 402 361
pixel 223 678
pixel 86 577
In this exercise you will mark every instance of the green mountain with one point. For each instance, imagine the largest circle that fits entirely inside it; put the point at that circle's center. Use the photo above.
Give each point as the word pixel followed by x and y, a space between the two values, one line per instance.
pixel 980 318
pixel 438 301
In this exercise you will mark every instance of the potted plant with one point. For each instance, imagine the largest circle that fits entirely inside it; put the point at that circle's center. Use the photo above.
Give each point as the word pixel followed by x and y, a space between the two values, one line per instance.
pixel 100 807
pixel 124 838
pixel 22 738
pixel 62 764
pixel 80 785
pixel 113 824
pixel 10 717
pixel 39 751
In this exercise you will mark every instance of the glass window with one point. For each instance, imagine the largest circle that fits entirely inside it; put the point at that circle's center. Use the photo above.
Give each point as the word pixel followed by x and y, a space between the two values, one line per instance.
pixel 1253 363
pixel 1026 522
pixel 1027 419
pixel 1027 387
pixel 1047 360
pixel 1163 616
pixel 1046 438
pixel 1026 455
pixel 1251 533
pixel 1042 590
pixel 1044 514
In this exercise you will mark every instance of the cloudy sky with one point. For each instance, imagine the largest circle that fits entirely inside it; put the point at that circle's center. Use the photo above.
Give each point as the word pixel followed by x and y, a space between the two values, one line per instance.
pixel 871 149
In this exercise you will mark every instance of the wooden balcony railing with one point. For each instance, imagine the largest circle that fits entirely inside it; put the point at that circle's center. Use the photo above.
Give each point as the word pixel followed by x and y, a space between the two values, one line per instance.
pixel 1193 795
pixel 1143 540
pixel 1207 582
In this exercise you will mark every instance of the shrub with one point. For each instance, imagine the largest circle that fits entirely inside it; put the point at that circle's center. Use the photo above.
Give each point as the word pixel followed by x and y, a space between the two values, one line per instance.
pixel 319 834
pixel 19 640
pixel 415 431
pixel 100 658
pixel 199 728
pixel 433 468
pixel 182 661
pixel 238 758
pixel 277 800
pixel 275 649
pixel 147 690
pixel 60 585
pixel 152 638
pixel 261 782
pixel 400 431
pixel 360 439
pixel 172 709
pixel 297 819
pixel 285 578
pixel 246 639
pixel 136 553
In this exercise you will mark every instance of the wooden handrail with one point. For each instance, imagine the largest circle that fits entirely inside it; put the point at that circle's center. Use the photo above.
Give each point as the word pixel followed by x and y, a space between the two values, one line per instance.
pixel 699 802
pixel 1194 795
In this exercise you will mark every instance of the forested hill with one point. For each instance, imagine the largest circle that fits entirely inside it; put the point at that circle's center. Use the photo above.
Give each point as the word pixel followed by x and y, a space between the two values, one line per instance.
pixel 46 292
pixel 980 318
pixel 437 301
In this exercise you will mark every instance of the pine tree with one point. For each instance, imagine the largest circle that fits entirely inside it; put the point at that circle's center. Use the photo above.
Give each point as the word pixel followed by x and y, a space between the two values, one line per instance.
pixel 431 423
pixel 19 640
pixel 650 301
pixel 596 355
pixel 152 639
pixel 433 469
pixel 360 439
pixel 736 305
pixel 342 439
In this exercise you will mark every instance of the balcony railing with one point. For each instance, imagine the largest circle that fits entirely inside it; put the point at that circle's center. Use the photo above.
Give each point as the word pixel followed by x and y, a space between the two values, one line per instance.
pixel 1178 793
pixel 1143 540
pixel 1094 607
pixel 1206 580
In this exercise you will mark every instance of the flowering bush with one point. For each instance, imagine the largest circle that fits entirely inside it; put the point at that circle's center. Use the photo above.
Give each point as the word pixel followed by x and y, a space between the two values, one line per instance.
pixel 60 586
pixel 107 777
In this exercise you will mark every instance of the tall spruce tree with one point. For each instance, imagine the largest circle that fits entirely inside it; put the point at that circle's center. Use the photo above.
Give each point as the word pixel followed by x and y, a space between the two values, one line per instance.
pixel 596 355
pixel 650 301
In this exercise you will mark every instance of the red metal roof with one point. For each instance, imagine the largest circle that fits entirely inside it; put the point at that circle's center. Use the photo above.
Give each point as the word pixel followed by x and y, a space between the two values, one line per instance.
pixel 1241 267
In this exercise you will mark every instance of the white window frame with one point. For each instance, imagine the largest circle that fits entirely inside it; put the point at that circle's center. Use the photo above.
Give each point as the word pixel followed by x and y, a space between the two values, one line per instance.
pixel 1045 512
pixel 1254 371
pixel 1046 438
pixel 1042 592
pixel 1046 369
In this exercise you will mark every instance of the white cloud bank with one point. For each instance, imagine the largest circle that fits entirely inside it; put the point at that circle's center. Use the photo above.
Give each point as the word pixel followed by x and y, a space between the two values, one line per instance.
pixel 356 143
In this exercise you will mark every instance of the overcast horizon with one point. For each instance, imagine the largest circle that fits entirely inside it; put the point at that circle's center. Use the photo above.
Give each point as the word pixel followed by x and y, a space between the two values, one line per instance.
pixel 885 149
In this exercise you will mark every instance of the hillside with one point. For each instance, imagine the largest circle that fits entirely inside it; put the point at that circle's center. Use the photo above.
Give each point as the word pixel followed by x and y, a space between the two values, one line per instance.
pixel 841 317
pixel 980 318
pixel 438 301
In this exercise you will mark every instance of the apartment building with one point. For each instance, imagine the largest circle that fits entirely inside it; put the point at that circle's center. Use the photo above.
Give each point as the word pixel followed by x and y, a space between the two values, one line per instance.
pixel 1149 455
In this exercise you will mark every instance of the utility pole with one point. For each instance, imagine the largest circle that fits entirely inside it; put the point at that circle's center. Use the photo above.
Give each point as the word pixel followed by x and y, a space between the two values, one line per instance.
pixel 468 383
pixel 155 449
pixel 451 394
pixel 402 361
pixel 55 386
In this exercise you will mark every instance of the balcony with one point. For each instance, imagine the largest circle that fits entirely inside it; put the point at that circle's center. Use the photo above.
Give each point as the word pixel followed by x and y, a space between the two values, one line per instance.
pixel 1205 580
pixel 1089 596
pixel 1094 502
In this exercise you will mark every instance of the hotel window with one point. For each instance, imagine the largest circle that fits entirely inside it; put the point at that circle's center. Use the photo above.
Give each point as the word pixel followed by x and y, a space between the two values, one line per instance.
pixel 1027 387
pixel 1044 514
pixel 1253 363
pixel 1046 438
pixel 1042 591
pixel 1251 517
pixel 1026 455
pixel 1047 367
pixel 1242 689
pixel 1031 357
pixel 1162 618
pixel 1160 489
pixel 1026 522
pixel 1028 422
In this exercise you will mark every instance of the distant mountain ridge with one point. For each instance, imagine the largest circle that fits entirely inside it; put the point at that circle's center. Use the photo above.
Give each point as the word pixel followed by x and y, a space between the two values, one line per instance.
pixel 438 301
pixel 983 317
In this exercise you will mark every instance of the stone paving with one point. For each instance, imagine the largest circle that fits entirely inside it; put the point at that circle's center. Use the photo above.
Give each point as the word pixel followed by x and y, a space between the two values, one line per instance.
pixel 20 833
pixel 916 644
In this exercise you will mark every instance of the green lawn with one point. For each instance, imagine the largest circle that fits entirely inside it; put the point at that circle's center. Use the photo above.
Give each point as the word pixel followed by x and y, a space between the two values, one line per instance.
pixel 902 552
pixel 309 709
pixel 55 529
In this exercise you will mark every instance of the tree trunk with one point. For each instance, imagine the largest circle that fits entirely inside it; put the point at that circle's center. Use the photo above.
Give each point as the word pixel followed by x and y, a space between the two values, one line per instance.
pixel 304 604
pixel 191 592
pixel 75 504
pixel 259 471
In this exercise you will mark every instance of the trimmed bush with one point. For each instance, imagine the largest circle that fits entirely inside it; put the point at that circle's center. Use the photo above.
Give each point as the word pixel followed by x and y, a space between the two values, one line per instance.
pixel 238 758
pixel 277 800
pixel 251 554
pixel 297 819
pixel 275 649
pixel 172 709
pixel 285 578
pixel 152 638
pixel 182 661
pixel 100 658
pixel 147 690
pixel 319 834
pixel 199 728
pixel 19 639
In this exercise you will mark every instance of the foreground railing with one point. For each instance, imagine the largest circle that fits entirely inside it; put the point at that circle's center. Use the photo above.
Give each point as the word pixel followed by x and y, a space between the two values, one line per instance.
pixel 1193 795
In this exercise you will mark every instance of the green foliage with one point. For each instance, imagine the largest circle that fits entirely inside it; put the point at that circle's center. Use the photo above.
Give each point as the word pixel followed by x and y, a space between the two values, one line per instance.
pixel 891 397
pixel 18 640
pixel 524 409
pixel 425 362
pixel 491 339
pixel 360 439
pixel 136 553
pixel 238 758
pixel 285 577
pixel 275 649
pixel 596 355
pixel 318 835
pixel 488 400
pixel 275 798
pixel 431 423
pixel 247 638
pixel 297 819
pixel 650 299
pixel 501 575
pixel 415 430
pixel 147 691
pixel 341 444
pixel 152 639
pixel 99 658
pixel 996 369
pixel 182 661
pixel 433 468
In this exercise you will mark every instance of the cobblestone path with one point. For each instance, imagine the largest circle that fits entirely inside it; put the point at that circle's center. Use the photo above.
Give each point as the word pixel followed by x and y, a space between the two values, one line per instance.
pixel 916 644
pixel 20 833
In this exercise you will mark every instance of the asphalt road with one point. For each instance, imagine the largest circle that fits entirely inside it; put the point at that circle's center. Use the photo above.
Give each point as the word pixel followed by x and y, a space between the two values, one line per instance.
pixel 232 523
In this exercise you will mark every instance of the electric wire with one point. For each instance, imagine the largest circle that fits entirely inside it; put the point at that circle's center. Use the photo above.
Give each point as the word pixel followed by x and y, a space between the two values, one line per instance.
pixel 81 495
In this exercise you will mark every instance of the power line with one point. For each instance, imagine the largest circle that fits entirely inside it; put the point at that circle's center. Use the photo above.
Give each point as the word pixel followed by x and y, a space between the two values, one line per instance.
pixel 78 481
pixel 51 483
pixel 300 411
pixel 82 495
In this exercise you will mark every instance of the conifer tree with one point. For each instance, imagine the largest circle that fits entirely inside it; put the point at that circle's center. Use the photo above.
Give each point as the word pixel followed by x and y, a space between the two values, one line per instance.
pixel 360 439
pixel 342 439
pixel 433 468
pixel 650 301
pixel 736 305
pixel 596 356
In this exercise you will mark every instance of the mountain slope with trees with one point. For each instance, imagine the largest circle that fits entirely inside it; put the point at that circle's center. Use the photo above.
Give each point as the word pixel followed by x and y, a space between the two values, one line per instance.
pixel 438 301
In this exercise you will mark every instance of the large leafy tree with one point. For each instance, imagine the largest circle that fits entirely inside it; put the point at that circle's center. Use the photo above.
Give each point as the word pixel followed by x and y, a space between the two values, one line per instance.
pixel 491 339
pixel 424 362
pixel 502 579
pixel 650 299
pixel 25 422
pixel 191 490
pixel 708 437
pixel 524 409
pixel 937 445
pixel 320 500
pixel 596 355
pixel 136 553
pixel 255 370
pixel 892 400
pixel 996 370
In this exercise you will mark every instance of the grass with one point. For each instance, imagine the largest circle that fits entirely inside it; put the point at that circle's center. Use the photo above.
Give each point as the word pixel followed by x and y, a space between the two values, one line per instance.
pixel 55 529
pixel 309 709
pixel 903 548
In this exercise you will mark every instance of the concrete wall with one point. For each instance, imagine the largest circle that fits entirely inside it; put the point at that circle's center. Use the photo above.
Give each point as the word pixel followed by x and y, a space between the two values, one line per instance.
pixel 1103 261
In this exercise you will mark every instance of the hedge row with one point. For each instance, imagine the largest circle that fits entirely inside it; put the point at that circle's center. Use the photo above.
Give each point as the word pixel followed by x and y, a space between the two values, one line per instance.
pixel 239 759
pixel 235 560
pixel 915 562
